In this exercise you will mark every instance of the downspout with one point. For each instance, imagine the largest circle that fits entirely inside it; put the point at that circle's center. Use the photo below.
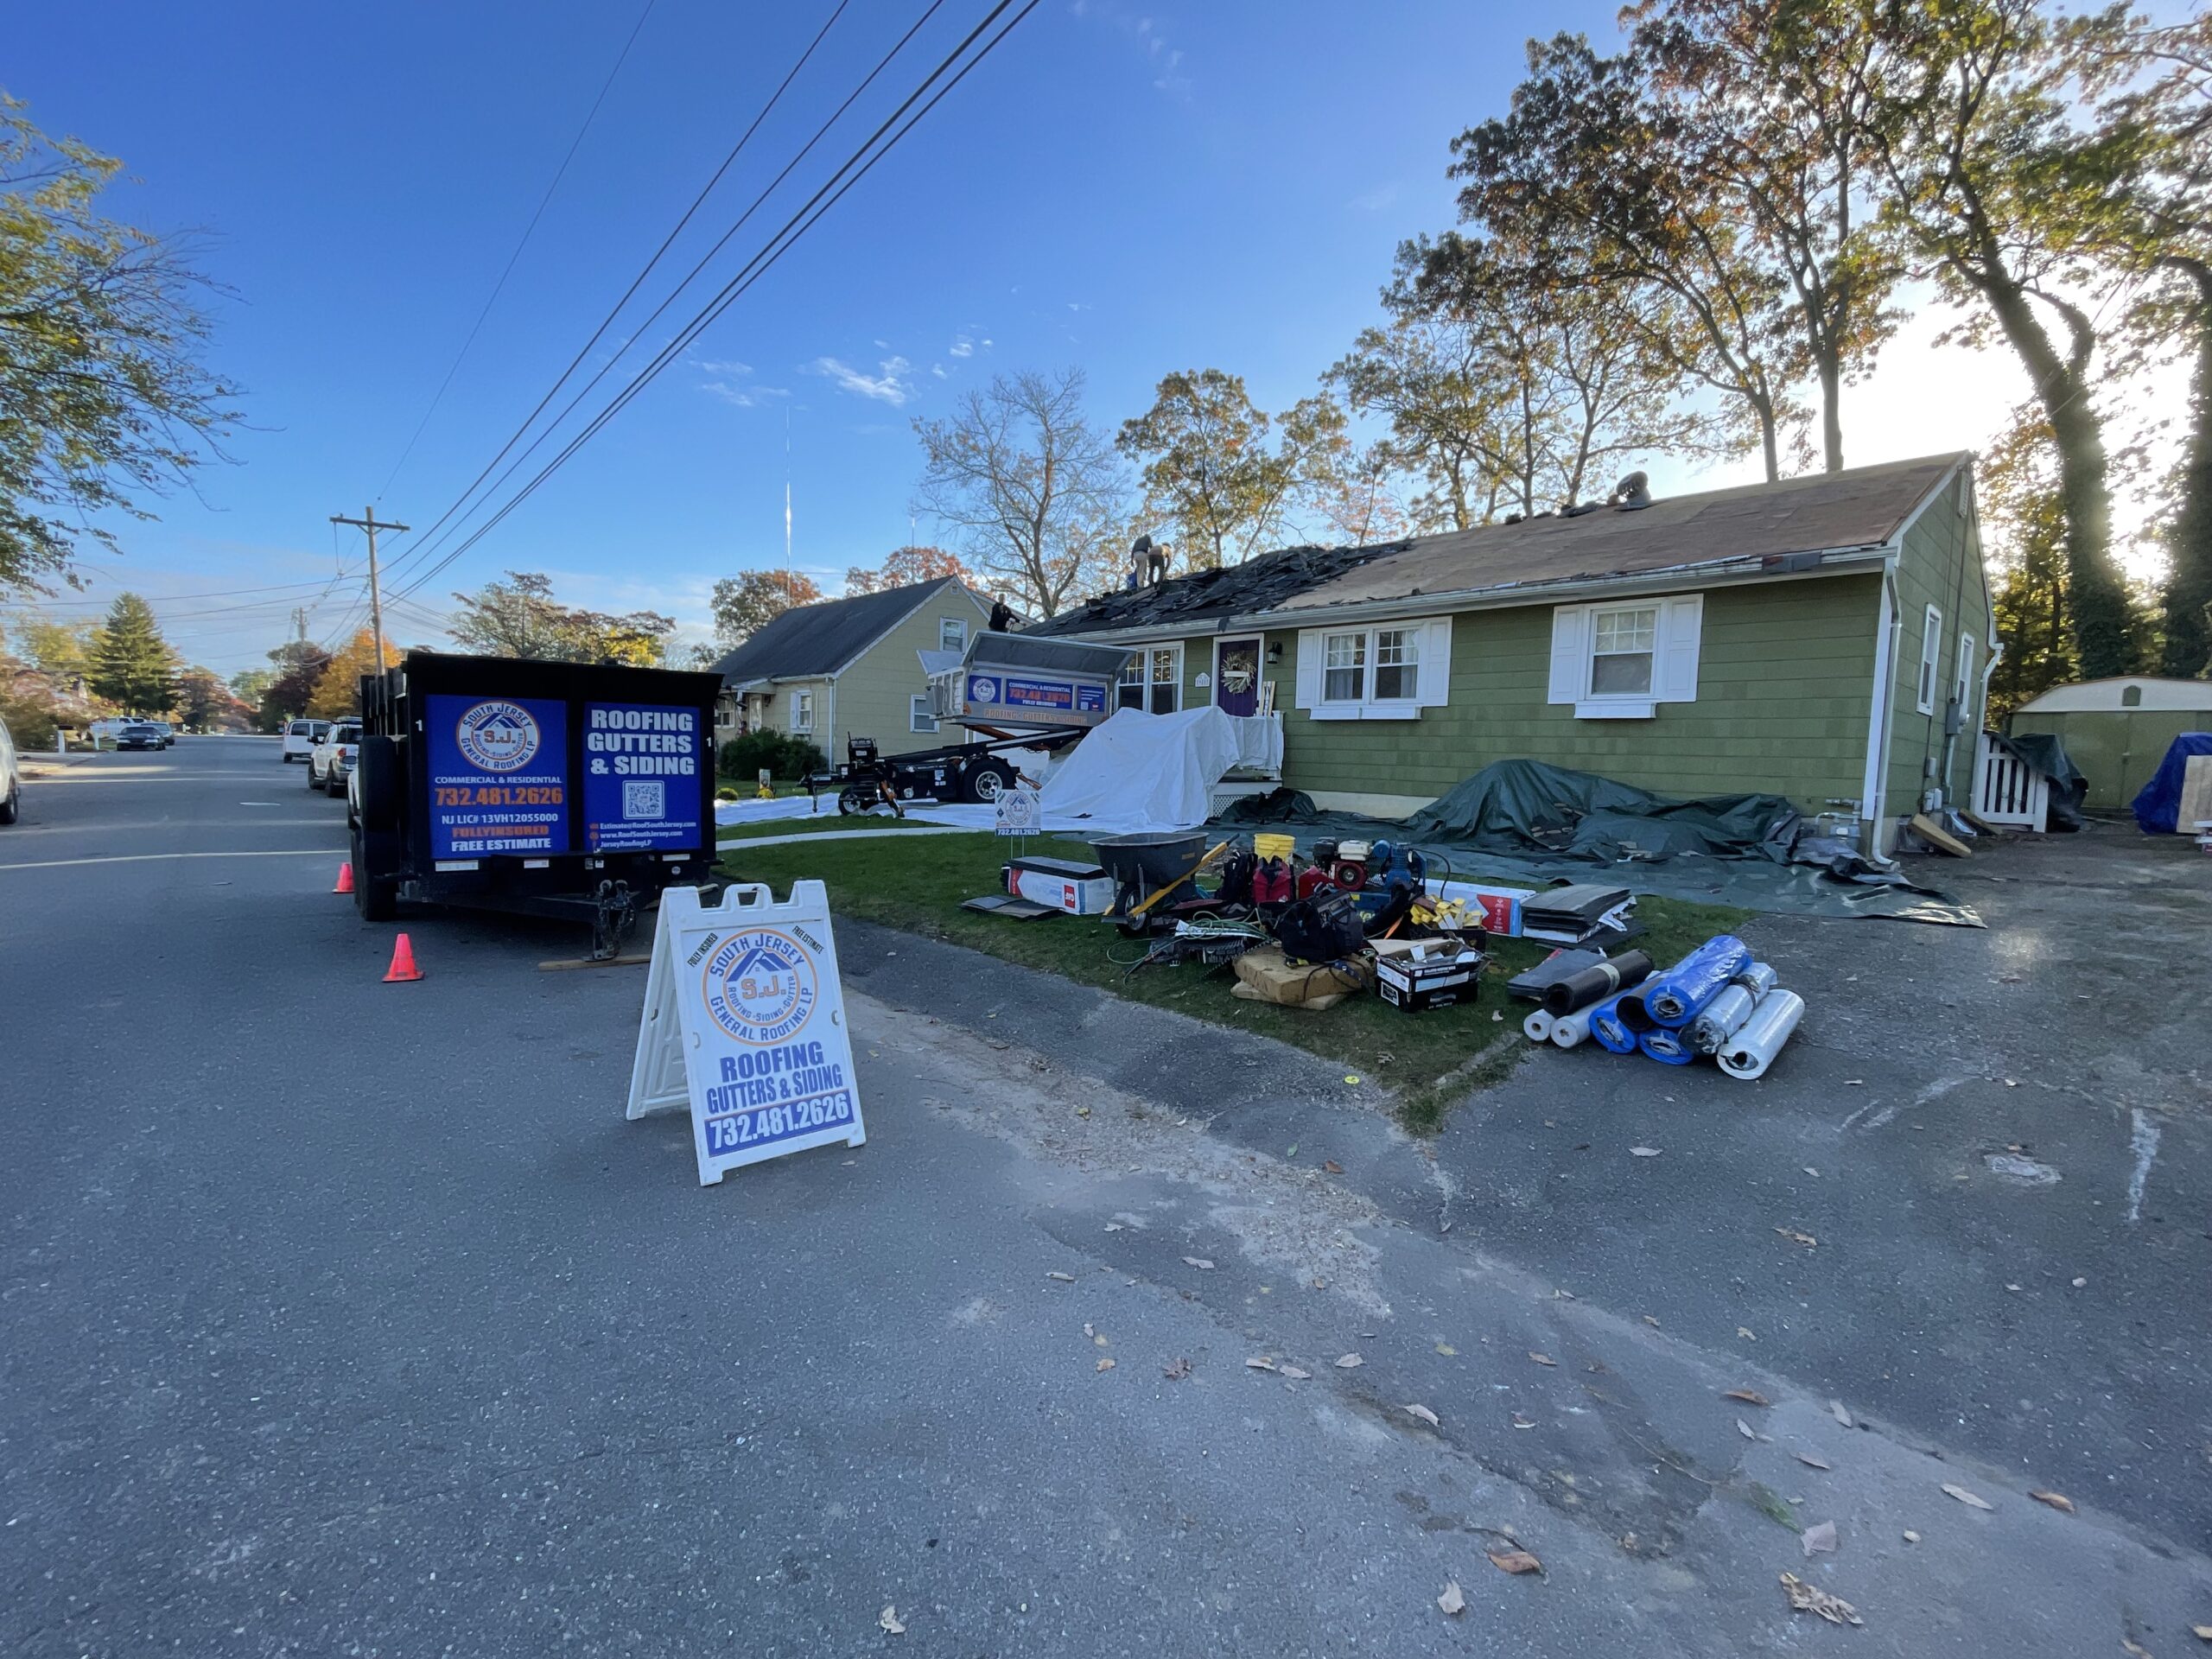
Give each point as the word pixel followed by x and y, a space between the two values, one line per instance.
pixel 1889 626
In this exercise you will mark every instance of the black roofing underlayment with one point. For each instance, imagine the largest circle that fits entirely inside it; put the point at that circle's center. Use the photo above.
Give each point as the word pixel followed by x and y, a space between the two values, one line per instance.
pixel 1257 585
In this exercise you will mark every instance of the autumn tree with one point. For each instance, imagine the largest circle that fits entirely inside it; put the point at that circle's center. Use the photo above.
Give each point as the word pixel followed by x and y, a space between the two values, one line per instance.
pixel 132 665
pixel 61 650
pixel 519 617
pixel 103 399
pixel 1028 487
pixel 905 567
pixel 745 603
pixel 297 667
pixel 338 690
pixel 204 701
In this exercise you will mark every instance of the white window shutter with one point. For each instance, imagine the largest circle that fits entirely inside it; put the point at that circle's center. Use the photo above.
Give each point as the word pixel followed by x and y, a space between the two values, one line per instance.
pixel 1570 659
pixel 1678 647
pixel 1309 668
pixel 1436 663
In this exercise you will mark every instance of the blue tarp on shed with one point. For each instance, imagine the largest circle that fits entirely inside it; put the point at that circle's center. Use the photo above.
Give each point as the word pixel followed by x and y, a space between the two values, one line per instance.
pixel 2159 804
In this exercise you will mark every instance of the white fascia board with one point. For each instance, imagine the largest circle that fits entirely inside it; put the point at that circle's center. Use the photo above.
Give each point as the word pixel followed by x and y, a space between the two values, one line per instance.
pixel 1834 561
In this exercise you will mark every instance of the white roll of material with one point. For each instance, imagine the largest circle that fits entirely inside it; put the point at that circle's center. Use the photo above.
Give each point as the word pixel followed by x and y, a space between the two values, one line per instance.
pixel 1570 1029
pixel 1537 1028
pixel 1723 1017
pixel 1758 979
pixel 1751 1050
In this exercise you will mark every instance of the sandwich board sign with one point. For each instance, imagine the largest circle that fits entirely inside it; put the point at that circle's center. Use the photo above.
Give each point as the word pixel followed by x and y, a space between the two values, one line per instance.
pixel 744 1023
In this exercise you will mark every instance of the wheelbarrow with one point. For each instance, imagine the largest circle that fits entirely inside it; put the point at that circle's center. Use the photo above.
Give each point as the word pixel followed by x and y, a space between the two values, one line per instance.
pixel 1145 868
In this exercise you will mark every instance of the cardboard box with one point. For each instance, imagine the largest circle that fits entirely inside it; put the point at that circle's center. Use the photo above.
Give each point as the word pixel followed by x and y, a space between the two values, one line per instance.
pixel 1266 975
pixel 1078 889
pixel 1414 983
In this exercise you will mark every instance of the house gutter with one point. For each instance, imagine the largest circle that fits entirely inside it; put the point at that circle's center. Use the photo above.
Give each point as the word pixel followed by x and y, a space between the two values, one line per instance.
pixel 1874 786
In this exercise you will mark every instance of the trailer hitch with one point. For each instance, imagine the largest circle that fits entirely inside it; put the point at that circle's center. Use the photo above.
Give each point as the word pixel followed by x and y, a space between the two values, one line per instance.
pixel 615 911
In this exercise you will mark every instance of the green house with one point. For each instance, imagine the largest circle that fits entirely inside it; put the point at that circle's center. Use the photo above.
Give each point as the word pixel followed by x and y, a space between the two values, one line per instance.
pixel 1827 638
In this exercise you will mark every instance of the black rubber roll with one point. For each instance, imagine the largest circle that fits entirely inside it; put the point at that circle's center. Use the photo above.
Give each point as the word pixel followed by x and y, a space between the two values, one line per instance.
pixel 1595 983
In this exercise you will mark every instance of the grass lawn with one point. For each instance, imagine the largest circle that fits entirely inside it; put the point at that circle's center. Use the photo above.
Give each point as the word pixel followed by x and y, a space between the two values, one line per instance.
pixel 1429 1059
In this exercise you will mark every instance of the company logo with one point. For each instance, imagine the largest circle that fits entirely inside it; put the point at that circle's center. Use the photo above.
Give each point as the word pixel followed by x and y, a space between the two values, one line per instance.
pixel 497 736
pixel 982 690
pixel 760 986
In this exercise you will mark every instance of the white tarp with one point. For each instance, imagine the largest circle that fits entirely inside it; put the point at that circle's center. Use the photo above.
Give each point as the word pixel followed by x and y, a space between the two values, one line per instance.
pixel 1140 771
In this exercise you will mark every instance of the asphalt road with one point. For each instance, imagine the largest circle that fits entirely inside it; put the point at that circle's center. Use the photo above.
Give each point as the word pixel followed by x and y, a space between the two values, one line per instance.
pixel 348 1318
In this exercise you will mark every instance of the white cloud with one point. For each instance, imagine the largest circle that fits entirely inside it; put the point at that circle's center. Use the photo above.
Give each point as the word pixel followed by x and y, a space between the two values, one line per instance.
pixel 962 346
pixel 938 369
pixel 744 396
pixel 727 366
pixel 1375 201
pixel 890 386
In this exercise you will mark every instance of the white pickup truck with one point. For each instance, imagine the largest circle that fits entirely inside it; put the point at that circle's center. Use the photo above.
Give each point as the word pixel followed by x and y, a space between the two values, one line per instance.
pixel 301 735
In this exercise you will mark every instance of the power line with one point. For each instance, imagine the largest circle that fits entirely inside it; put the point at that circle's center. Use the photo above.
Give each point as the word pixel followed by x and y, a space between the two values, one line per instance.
pixel 559 173
pixel 605 322
pixel 810 213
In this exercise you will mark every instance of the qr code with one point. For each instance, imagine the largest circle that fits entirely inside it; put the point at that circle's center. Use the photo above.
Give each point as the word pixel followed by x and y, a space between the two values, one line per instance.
pixel 645 797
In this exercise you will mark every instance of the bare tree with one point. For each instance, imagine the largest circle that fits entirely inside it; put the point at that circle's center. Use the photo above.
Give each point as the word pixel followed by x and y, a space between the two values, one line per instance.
pixel 1025 484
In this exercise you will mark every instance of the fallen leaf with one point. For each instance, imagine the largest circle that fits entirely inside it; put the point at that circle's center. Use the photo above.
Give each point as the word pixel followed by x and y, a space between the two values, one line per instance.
pixel 1425 1415
pixel 1644 1152
pixel 1293 1153
pixel 1082 1111
pixel 889 1620
pixel 1745 1332
pixel 1541 1359
pixel 2202 1632
pixel 1198 1261
pixel 1968 1497
pixel 1089 1330
pixel 1836 1411
pixel 1354 1079
pixel 1064 1278
pixel 2133 1650
pixel 1653 1323
pixel 1815 1174
pixel 1796 1237
pixel 1176 1369
pixel 1346 1362
pixel 1105 1364
pixel 1333 1166
pixel 1448 1350
pixel 1453 1601
pixel 1819 1540
pixel 1812 1462
pixel 1809 1599
pixel 1515 1560
pixel 1749 1397
pixel 1261 1363
pixel 1746 1430
pixel 1519 1421
pixel 2078 1283
pixel 2057 1500
pixel 1911 1536
pixel 1563 1295
pixel 1113 1226
pixel 1294 1373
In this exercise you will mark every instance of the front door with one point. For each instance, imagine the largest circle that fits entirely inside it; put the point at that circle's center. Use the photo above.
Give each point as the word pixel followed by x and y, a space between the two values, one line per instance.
pixel 1237 675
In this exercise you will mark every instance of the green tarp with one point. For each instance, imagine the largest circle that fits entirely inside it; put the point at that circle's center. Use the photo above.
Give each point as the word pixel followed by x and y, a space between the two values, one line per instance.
pixel 1532 824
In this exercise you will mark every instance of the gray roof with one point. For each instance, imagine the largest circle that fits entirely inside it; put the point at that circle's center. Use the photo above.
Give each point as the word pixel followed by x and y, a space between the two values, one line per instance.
pixel 1206 596
pixel 809 641
pixel 1862 507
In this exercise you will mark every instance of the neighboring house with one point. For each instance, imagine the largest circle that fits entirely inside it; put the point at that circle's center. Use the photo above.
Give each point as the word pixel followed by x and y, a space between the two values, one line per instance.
pixel 849 668
pixel 2117 731
pixel 1809 638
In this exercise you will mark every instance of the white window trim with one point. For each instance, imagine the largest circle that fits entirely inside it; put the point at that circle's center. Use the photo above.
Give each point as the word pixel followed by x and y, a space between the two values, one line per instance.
pixel 1149 681
pixel 1677 640
pixel 1432 680
pixel 805 700
pixel 947 622
pixel 1962 678
pixel 1931 661
pixel 919 718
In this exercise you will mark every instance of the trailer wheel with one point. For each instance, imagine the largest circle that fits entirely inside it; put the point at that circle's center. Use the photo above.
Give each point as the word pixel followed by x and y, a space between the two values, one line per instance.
pixel 986 780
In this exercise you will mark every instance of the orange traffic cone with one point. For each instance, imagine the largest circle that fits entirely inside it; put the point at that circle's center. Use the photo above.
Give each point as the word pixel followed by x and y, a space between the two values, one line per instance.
pixel 344 877
pixel 402 962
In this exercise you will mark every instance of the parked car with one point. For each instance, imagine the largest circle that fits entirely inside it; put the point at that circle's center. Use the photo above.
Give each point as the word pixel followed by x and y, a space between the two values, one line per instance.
pixel 301 736
pixel 168 732
pixel 141 735
pixel 12 778
pixel 330 763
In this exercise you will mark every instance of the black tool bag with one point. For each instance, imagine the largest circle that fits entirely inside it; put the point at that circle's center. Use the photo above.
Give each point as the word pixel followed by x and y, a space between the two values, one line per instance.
pixel 1311 932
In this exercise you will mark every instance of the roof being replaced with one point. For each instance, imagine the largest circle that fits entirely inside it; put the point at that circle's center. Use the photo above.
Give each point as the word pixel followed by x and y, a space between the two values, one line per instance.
pixel 819 639
pixel 1206 596
pixel 1862 507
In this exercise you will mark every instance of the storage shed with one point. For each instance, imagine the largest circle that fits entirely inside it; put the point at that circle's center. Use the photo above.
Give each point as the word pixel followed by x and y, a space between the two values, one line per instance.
pixel 2116 730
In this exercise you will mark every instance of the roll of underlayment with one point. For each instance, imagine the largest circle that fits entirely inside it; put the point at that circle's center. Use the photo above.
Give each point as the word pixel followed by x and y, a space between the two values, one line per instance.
pixel 1665 1046
pixel 1612 1032
pixel 1751 1050
pixel 1678 995
pixel 1571 1030
pixel 1722 1017
pixel 1629 1007
pixel 1757 978
pixel 1595 982
pixel 1537 1028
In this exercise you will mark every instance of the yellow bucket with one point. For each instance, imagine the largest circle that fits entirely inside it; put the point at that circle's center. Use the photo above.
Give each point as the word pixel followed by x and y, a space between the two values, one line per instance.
pixel 1273 845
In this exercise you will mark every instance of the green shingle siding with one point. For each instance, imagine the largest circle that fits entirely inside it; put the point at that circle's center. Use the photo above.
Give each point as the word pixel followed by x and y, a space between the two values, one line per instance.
pixel 1940 565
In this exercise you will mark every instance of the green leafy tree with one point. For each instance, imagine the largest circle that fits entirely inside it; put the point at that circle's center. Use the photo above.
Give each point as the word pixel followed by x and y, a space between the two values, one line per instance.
pixel 62 651
pixel 204 702
pixel 745 603
pixel 519 617
pixel 249 685
pixel 103 396
pixel 132 665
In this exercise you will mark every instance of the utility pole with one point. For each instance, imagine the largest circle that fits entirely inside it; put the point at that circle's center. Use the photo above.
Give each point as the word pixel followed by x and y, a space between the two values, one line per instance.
pixel 368 522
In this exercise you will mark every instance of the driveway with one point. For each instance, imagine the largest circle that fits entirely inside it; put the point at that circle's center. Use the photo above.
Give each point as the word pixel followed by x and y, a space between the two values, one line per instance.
pixel 348 1317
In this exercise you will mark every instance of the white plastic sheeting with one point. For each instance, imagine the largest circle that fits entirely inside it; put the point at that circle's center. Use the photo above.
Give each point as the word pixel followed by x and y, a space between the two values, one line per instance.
pixel 1140 771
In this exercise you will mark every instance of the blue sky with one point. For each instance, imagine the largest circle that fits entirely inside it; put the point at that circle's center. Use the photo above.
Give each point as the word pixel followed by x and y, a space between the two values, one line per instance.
pixel 1131 189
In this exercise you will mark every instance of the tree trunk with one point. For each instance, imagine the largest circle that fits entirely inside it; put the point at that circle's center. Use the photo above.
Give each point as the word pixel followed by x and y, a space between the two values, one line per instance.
pixel 1831 412
pixel 1769 441
pixel 2188 653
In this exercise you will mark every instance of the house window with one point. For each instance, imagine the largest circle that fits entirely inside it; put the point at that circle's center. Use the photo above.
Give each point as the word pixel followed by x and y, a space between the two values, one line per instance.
pixel 1931 654
pixel 1621 647
pixel 802 711
pixel 1962 678
pixel 952 635
pixel 1397 664
pixel 1152 680
pixel 919 717
pixel 1343 668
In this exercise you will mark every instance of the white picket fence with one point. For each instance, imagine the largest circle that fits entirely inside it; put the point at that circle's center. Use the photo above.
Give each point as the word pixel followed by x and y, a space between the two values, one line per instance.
pixel 2006 789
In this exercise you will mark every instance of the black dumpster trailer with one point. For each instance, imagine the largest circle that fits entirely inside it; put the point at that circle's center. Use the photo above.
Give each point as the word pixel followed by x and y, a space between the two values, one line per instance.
pixel 545 789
